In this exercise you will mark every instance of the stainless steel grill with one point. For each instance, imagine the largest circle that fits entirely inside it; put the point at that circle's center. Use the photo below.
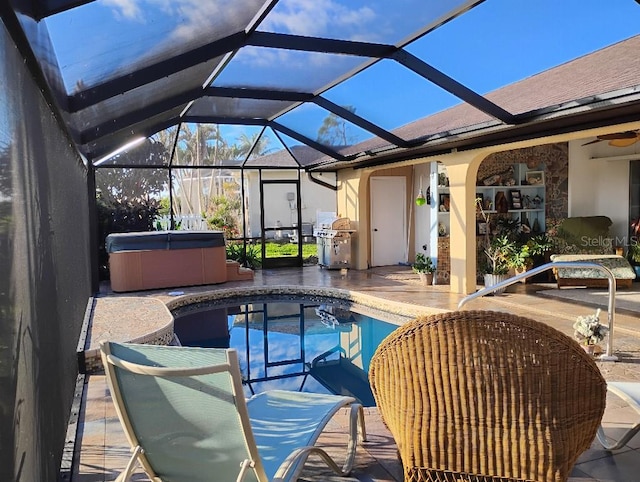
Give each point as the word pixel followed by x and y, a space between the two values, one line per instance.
pixel 333 236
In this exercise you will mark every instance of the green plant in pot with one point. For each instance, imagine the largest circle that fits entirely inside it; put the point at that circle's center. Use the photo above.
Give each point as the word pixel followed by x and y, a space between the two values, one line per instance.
pixel 526 255
pixel 539 245
pixel 498 249
pixel 520 258
pixel 423 265
pixel 500 253
pixel 633 256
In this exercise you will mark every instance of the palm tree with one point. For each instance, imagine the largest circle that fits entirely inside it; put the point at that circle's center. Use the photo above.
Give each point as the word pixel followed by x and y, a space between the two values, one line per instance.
pixel 254 145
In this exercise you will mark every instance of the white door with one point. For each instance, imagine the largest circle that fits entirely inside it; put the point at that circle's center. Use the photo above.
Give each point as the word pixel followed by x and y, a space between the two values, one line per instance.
pixel 388 221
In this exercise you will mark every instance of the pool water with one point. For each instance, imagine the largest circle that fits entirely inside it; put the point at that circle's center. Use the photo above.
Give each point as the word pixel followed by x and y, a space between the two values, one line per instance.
pixel 293 346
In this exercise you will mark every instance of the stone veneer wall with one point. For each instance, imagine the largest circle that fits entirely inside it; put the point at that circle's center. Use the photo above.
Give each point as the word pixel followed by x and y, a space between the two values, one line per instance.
pixel 554 158
pixel 443 271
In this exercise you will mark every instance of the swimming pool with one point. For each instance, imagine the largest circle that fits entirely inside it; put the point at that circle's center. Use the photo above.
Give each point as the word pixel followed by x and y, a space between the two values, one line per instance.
pixel 316 345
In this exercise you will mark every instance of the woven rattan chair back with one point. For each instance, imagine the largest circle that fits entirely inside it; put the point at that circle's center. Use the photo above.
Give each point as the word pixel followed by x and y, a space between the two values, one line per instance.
pixel 486 396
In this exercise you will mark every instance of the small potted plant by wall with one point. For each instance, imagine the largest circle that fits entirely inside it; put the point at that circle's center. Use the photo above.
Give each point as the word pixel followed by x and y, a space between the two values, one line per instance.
pixel 424 267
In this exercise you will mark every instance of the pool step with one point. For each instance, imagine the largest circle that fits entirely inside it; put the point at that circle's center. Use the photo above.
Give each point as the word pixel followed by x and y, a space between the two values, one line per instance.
pixel 235 272
pixel 342 377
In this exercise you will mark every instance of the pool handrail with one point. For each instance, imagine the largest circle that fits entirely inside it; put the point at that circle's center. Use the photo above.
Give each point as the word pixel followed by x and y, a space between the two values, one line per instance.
pixel 608 355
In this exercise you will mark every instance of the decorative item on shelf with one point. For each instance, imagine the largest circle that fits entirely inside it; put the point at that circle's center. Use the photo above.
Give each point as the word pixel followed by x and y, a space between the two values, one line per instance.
pixel 534 178
pixel 442 229
pixel 516 199
pixel 536 226
pixel 502 204
pixel 491 180
pixel 445 203
pixel 526 202
pixel 525 226
pixel 589 332
pixel 504 178
pixel 536 202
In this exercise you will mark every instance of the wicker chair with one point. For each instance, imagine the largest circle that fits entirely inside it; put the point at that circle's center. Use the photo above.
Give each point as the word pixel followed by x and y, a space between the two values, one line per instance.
pixel 486 396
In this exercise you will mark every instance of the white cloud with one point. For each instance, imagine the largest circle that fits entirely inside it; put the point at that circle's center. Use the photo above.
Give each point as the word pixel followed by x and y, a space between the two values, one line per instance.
pixel 321 19
pixel 126 9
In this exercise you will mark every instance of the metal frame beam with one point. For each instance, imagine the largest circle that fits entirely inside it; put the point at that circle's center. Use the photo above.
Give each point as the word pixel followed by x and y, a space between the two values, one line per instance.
pixel 452 86
pixel 360 122
pixel 132 118
pixel 305 97
pixel 261 94
pixel 305 140
pixel 146 132
pixel 265 39
pixel 318 44
pixel 159 70
pixel 46 8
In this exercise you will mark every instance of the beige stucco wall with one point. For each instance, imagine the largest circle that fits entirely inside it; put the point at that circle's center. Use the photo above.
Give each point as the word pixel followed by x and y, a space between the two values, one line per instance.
pixel 462 167
pixel 353 202
pixel 351 197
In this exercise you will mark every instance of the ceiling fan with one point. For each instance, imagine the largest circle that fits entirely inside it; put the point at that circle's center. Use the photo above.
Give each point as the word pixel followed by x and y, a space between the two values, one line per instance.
pixel 619 139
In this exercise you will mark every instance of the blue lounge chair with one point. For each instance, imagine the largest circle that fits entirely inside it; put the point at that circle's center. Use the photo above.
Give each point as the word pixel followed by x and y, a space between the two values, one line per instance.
pixel 185 415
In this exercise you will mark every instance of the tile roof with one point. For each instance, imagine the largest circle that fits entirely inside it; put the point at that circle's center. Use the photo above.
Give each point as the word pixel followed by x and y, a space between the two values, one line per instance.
pixel 613 68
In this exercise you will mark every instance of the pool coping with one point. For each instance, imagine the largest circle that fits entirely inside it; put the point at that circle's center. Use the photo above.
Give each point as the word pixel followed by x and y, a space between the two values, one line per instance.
pixel 149 319
pixel 392 311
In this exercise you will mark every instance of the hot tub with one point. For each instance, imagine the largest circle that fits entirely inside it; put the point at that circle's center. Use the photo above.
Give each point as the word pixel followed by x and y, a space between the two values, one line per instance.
pixel 166 259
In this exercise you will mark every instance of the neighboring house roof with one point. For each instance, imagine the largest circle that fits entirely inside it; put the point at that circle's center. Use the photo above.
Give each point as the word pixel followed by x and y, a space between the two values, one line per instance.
pixel 611 74
pixel 302 156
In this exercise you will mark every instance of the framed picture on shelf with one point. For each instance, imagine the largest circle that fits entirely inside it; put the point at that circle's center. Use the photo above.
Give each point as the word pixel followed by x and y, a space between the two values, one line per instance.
pixel 482 228
pixel 445 203
pixel 516 199
pixel 534 177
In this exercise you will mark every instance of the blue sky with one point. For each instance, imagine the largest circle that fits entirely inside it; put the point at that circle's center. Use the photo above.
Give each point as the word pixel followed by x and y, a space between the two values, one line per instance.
pixel 494 44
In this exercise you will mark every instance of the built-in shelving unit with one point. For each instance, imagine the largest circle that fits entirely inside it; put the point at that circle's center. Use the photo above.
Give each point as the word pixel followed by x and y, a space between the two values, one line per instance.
pixel 523 191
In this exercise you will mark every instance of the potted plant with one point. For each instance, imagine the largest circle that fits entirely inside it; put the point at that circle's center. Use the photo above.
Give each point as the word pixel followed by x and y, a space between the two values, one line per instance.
pixel 530 253
pixel 424 267
pixel 633 255
pixel 589 332
pixel 499 251
pixel 538 246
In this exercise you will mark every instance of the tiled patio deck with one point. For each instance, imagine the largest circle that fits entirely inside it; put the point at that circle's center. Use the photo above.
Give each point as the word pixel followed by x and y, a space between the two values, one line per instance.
pixel 102 450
